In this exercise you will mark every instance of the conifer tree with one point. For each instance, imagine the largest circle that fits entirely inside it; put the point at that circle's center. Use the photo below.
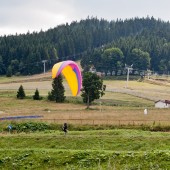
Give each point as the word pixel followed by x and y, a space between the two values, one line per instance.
pixel 21 93
pixel 36 95
pixel 57 93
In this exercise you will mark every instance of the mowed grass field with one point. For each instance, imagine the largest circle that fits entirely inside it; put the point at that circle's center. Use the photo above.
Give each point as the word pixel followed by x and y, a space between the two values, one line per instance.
pixel 119 105
pixel 81 150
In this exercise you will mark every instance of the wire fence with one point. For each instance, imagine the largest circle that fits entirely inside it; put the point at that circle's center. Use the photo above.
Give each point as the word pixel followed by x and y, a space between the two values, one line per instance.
pixel 98 121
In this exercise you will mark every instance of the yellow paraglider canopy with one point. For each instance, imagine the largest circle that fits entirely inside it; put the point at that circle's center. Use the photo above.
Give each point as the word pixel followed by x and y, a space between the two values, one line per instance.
pixel 72 74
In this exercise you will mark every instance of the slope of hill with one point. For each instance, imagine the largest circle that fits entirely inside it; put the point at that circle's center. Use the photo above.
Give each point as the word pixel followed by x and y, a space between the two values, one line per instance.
pixel 23 54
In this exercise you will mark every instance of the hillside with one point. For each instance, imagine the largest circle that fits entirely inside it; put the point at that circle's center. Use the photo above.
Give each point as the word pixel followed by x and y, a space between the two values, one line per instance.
pixel 23 54
pixel 47 76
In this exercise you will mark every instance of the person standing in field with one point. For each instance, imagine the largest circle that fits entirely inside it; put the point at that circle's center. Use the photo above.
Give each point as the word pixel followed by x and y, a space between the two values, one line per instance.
pixel 65 128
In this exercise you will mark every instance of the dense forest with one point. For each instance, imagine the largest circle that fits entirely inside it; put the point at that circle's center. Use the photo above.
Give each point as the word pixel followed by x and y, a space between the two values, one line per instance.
pixel 143 42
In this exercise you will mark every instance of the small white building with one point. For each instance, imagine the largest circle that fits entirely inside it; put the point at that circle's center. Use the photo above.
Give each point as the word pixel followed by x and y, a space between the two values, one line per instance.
pixel 162 104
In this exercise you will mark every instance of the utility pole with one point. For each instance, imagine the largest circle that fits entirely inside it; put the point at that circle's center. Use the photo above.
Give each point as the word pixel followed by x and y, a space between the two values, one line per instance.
pixel 44 61
pixel 129 68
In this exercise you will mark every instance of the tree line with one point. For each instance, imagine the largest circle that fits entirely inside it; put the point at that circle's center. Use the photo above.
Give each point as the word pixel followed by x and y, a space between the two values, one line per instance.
pixel 144 39
pixel 112 60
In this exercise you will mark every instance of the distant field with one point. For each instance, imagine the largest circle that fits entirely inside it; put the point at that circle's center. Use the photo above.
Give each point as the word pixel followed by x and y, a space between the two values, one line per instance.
pixel 146 90
pixel 141 89
pixel 118 104
pixel 110 112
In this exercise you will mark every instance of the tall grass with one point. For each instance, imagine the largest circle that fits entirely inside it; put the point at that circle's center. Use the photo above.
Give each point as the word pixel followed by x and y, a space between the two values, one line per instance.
pixel 89 149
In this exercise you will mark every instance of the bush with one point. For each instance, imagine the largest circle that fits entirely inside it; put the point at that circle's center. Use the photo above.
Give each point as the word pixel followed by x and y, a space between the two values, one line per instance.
pixel 36 95
pixel 50 96
pixel 30 127
pixel 21 93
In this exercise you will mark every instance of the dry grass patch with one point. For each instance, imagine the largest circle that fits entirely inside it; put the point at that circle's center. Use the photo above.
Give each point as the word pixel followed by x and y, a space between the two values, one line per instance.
pixel 124 105
pixel 43 83
pixel 74 113
pixel 140 89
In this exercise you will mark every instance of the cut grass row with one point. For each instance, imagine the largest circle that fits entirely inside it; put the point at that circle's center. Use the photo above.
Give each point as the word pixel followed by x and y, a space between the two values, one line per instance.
pixel 107 149
pixel 115 140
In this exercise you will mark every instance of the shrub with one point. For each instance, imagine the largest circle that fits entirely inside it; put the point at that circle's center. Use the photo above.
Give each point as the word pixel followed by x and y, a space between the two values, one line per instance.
pixel 50 96
pixel 21 93
pixel 30 127
pixel 36 95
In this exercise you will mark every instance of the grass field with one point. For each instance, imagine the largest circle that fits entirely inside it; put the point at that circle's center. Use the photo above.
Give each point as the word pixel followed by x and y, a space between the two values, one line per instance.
pixel 118 104
pixel 97 149
pixel 110 149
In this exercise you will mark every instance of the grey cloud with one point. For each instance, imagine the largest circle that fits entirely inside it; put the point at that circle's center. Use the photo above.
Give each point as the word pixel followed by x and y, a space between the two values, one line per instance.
pixel 20 15
pixel 33 15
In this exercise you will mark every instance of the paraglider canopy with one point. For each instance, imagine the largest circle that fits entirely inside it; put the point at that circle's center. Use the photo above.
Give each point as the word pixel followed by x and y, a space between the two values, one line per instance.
pixel 71 72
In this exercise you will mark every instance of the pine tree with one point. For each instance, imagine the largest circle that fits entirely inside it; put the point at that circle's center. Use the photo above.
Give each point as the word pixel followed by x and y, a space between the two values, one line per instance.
pixel 57 93
pixel 21 93
pixel 36 95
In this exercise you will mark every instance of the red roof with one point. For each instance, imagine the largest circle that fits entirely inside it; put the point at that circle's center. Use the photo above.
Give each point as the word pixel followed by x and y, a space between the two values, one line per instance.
pixel 163 101
pixel 167 101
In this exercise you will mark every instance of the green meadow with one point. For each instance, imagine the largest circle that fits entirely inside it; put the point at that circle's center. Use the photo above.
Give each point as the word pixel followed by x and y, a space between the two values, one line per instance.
pixel 142 143
pixel 88 149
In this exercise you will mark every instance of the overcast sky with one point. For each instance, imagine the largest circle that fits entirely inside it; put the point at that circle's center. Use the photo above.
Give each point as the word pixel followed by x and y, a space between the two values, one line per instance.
pixel 19 16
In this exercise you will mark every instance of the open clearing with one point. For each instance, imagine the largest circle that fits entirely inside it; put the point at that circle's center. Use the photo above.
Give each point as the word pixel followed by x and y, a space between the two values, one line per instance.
pixel 119 103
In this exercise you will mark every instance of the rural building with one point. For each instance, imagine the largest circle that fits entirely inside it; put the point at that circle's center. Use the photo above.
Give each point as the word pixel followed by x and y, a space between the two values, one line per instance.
pixel 162 104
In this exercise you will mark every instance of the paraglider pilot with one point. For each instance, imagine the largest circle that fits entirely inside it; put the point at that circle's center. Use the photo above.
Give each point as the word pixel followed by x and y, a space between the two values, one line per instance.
pixel 65 128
